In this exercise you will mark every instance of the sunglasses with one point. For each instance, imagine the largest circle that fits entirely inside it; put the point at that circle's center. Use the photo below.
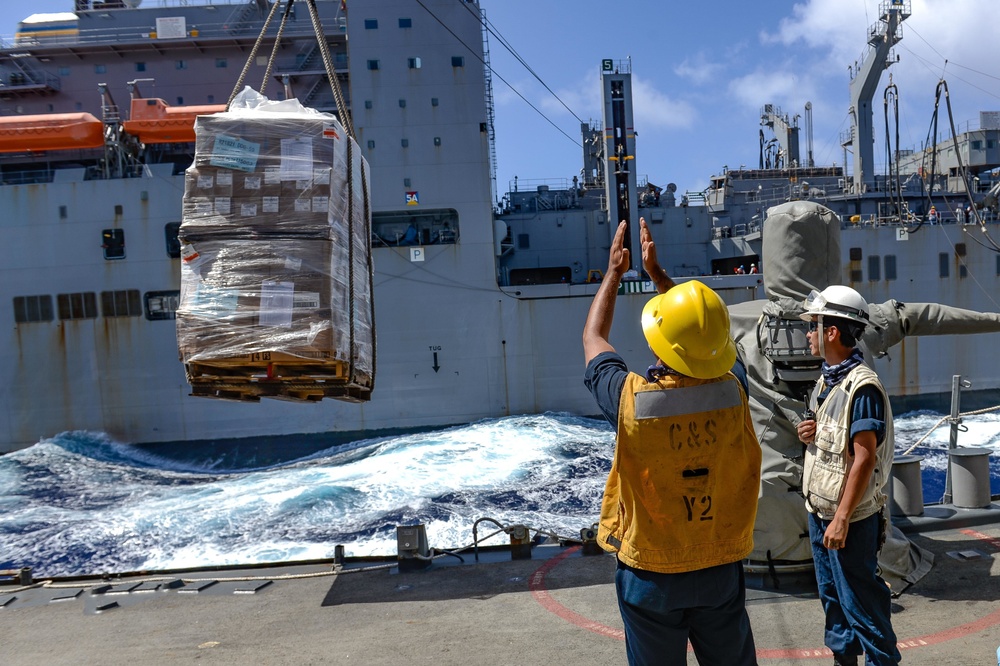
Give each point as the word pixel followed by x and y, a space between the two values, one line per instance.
pixel 813 325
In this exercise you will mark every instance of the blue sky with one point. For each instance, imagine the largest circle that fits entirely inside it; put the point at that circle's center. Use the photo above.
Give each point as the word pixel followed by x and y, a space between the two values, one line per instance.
pixel 703 71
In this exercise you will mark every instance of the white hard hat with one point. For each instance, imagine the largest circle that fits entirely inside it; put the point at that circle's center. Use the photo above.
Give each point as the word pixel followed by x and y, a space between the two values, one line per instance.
pixel 837 301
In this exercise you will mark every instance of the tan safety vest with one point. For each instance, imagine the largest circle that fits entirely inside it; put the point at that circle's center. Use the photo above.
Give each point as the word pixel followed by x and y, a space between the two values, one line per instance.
pixel 827 462
pixel 682 492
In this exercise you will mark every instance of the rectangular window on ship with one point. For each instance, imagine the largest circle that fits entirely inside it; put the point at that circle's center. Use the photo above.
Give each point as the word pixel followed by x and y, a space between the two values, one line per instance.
pixel 81 305
pixel 121 303
pixel 32 308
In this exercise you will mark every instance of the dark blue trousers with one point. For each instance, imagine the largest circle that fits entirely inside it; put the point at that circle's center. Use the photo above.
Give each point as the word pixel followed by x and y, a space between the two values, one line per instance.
pixel 662 612
pixel 855 598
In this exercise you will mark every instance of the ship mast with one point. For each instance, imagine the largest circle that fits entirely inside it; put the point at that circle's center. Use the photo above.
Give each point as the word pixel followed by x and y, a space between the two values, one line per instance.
pixel 882 36
pixel 619 151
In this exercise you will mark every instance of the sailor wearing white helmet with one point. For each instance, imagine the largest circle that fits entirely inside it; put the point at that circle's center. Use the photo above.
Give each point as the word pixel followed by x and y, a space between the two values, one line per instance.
pixel 849 447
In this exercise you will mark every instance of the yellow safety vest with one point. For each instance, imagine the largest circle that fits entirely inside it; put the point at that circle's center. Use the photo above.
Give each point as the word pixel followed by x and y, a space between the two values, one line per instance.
pixel 682 492
pixel 826 464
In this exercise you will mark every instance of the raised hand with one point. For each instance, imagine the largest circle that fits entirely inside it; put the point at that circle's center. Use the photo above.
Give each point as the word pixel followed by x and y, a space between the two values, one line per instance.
pixel 649 261
pixel 620 260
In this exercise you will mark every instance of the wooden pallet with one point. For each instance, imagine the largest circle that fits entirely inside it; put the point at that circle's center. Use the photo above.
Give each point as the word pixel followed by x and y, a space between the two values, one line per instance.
pixel 268 366
pixel 250 391
pixel 278 375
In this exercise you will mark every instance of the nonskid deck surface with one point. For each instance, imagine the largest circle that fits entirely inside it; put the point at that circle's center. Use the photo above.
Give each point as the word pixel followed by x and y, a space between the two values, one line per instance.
pixel 558 607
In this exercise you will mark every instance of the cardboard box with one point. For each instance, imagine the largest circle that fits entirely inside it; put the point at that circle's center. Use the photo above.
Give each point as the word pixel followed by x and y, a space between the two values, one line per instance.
pixel 274 213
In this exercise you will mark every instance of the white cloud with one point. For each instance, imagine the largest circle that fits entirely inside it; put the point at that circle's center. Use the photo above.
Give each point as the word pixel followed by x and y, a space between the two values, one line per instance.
pixel 824 23
pixel 655 109
pixel 960 31
pixel 698 69
pixel 760 87
pixel 953 39
pixel 651 107
pixel 583 97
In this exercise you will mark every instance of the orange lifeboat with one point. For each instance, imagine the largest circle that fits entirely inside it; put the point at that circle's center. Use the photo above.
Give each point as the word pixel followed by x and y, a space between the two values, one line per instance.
pixel 54 131
pixel 155 121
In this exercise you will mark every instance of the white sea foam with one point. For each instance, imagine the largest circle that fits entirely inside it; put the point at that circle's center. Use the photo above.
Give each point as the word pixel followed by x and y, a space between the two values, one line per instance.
pixel 80 503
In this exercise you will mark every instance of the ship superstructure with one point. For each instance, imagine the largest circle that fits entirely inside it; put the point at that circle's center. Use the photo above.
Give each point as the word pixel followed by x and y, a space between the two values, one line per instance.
pixel 478 307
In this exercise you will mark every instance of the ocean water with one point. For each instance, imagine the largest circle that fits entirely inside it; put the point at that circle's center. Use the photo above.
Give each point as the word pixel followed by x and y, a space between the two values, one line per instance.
pixel 79 503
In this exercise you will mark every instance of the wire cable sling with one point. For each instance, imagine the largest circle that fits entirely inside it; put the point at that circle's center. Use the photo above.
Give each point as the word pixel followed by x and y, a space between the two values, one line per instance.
pixel 324 49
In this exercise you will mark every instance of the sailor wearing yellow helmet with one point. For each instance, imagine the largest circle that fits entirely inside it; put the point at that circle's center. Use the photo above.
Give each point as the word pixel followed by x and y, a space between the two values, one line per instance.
pixel 681 498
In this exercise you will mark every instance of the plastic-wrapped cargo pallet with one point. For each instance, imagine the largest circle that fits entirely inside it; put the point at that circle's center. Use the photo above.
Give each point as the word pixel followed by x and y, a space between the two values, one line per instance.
pixel 276 274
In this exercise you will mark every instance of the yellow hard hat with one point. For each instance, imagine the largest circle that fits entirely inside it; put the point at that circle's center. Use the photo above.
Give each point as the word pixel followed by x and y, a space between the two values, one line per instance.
pixel 688 329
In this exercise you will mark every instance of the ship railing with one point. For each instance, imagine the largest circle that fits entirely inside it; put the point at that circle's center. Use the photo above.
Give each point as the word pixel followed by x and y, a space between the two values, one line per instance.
pixel 556 201
pixel 100 172
pixel 27 177
pixel 196 29
pixel 532 185
pixel 694 198
pixel 133 35
pixel 737 230
pixel 902 6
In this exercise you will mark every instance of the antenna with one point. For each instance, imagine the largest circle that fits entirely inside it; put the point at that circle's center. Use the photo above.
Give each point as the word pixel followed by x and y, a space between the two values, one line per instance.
pixel 809 134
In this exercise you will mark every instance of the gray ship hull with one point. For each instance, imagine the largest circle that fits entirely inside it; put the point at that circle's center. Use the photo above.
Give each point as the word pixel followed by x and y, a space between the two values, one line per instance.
pixel 453 347
pixel 457 339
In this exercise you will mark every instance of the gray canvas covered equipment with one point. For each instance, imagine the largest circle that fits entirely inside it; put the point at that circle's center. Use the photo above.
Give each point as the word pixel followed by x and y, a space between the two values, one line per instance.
pixel 801 252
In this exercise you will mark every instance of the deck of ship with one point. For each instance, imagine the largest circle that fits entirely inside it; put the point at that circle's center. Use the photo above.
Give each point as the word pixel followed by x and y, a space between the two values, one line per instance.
pixel 558 607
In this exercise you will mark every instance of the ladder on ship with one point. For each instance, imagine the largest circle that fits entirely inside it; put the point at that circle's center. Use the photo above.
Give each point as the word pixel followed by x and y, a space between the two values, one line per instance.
pixel 120 151
pixel 488 80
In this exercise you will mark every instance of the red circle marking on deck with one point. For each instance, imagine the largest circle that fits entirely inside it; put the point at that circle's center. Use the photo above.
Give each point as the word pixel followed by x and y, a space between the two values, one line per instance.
pixel 541 594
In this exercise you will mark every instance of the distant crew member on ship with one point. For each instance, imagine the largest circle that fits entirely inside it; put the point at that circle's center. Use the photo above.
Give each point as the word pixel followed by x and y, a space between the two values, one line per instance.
pixel 411 236
pixel 849 448
pixel 681 498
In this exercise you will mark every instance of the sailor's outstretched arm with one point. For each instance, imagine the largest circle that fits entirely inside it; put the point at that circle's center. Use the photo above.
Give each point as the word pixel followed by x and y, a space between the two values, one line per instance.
pixel 649 261
pixel 602 310
pixel 899 320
